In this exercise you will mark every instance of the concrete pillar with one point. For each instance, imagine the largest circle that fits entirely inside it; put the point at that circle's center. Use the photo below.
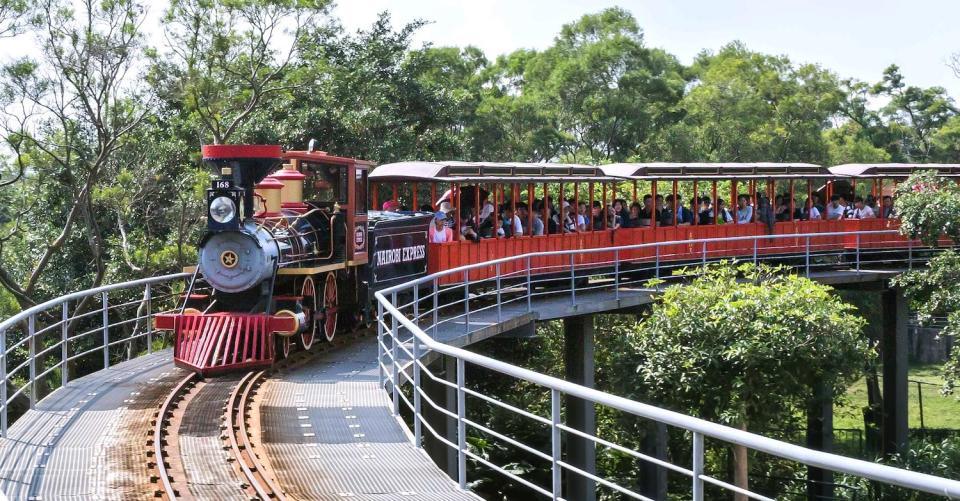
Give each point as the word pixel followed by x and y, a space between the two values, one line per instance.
pixel 581 415
pixel 820 437
pixel 653 478
pixel 894 349
pixel 446 397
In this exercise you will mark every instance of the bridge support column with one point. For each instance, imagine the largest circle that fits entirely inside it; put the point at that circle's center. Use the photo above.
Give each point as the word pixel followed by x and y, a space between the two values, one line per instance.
pixel 581 415
pixel 653 478
pixel 894 349
pixel 820 437
pixel 446 397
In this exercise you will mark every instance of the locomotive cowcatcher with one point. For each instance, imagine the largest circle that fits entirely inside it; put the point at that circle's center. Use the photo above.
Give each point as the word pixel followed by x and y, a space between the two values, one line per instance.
pixel 283 262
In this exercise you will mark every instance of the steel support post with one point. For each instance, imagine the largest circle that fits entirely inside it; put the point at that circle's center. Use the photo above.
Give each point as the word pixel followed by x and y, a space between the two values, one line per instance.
pixel 573 282
pixel 3 386
pixel 499 310
pixel 555 445
pixel 697 466
pixel 106 328
pixel 807 258
pixel 529 288
pixel 820 437
pixel 64 345
pixel 858 253
pixel 148 297
pixel 417 416
pixel 616 274
pixel 32 346
pixel 395 363
pixel 466 302
pixel 381 355
pixel 461 425
pixel 436 310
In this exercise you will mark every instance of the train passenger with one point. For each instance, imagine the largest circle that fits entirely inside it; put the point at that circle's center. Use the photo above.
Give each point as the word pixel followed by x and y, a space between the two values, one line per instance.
pixel 613 219
pixel 725 215
pixel 566 219
pixel 744 209
pixel 439 233
pixel 705 211
pixel 582 217
pixel 861 210
pixel 597 215
pixel 647 212
pixel 524 216
pixel 835 209
pixel 816 203
pixel 684 215
pixel 391 206
pixel 781 211
pixel 633 219
pixel 510 225
pixel 468 226
pixel 886 210
pixel 620 207
pixel 810 212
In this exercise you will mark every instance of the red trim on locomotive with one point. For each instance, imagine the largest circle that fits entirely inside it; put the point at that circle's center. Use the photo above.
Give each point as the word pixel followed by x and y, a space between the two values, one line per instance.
pixel 230 151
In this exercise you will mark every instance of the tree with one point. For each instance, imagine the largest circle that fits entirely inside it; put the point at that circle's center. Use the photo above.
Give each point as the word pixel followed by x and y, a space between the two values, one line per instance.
pixel 747 107
pixel 914 114
pixel 11 17
pixel 929 209
pixel 225 60
pixel 67 115
pixel 735 339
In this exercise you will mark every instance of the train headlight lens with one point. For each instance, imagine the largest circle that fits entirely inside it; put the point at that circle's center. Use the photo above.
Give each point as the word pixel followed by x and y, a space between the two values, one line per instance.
pixel 222 210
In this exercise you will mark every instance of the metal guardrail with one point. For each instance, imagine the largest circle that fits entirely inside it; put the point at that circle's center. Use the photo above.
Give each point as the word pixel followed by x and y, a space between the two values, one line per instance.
pixel 105 321
pixel 403 345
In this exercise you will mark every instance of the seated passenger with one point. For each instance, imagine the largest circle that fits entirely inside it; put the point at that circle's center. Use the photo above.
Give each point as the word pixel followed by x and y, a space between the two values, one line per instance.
pixel 597 215
pixel 524 216
pixel 439 233
pixel 886 210
pixel 613 219
pixel 705 211
pixel 647 212
pixel 510 225
pixel 566 220
pixel 633 220
pixel 835 209
pixel 744 210
pixel 468 226
pixel 781 211
pixel 391 206
pixel 582 217
pixel 810 211
pixel 620 207
pixel 684 216
pixel 861 210
pixel 725 215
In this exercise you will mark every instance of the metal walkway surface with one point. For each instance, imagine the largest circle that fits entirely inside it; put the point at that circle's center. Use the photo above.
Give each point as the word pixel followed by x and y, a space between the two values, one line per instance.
pixel 87 440
pixel 329 434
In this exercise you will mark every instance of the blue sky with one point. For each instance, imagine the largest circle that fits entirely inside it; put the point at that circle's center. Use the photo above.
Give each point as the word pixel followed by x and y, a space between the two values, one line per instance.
pixel 856 38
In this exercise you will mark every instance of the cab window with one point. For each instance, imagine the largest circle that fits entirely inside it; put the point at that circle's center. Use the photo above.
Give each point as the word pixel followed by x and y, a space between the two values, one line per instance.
pixel 325 182
pixel 361 191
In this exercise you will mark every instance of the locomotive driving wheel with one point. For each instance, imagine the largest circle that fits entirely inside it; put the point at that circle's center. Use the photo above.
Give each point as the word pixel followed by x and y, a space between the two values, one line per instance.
pixel 330 305
pixel 286 343
pixel 310 307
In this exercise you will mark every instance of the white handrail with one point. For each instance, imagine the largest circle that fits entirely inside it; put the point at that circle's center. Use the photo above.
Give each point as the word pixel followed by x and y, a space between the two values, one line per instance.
pixel 873 471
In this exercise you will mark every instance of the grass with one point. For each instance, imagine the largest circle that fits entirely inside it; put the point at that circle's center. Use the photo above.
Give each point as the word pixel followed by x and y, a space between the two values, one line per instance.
pixel 938 411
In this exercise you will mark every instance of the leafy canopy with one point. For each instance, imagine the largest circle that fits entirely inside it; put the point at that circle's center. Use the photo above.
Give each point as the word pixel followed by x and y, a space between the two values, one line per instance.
pixel 747 344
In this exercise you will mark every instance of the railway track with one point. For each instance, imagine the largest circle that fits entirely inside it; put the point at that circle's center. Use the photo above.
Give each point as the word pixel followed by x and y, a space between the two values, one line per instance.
pixel 237 425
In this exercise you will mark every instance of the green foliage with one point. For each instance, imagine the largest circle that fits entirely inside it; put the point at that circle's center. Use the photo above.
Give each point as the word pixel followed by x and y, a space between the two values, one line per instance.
pixel 935 458
pixel 735 339
pixel 929 207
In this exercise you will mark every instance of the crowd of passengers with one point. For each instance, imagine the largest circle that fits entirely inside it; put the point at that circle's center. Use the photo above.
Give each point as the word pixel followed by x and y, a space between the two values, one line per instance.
pixel 573 217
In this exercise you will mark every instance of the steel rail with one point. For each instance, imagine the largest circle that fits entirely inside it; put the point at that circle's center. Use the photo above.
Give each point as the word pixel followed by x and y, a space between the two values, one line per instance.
pixel 159 438
pixel 239 439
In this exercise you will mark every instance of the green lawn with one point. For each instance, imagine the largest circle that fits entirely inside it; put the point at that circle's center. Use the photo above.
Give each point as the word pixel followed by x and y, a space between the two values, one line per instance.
pixel 938 411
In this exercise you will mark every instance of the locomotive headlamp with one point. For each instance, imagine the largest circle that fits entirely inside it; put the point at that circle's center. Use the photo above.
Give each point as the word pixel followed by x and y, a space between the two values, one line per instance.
pixel 223 210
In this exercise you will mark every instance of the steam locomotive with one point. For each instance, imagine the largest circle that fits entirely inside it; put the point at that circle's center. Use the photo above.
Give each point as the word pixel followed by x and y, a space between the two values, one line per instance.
pixel 276 268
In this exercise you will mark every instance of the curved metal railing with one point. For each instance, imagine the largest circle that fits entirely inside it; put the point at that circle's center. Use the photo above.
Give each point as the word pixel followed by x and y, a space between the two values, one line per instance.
pixel 112 322
pixel 405 349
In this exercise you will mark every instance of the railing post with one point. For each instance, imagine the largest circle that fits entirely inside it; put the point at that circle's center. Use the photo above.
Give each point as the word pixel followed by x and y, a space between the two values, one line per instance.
pixel 697 466
pixel 416 305
pixel 529 289
pixel 466 302
pixel 755 251
pixel 3 386
pixel 704 256
pixel 381 355
pixel 148 297
pixel 499 312
pixel 858 252
pixel 807 257
pixel 656 265
pixel 393 357
pixel 555 443
pixel 32 344
pixel 616 274
pixel 436 293
pixel 106 329
pixel 64 345
pixel 573 281
pixel 416 393
pixel 910 254
pixel 461 425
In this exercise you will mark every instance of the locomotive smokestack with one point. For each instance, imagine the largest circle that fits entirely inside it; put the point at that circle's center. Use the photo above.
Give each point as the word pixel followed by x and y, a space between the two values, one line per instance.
pixel 244 165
